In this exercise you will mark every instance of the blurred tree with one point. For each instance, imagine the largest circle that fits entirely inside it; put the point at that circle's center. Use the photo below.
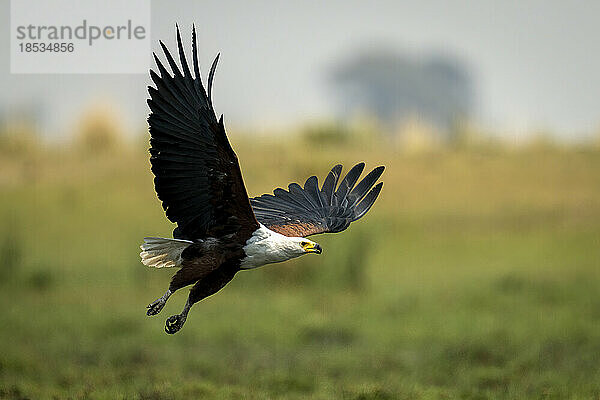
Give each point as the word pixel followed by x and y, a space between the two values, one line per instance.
pixel 325 133
pixel 395 87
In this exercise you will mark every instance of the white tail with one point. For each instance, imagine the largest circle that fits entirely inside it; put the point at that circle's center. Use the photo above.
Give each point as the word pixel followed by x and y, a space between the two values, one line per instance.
pixel 163 252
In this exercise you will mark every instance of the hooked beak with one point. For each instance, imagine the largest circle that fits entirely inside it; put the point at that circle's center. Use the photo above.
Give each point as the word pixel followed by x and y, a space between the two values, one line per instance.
pixel 314 249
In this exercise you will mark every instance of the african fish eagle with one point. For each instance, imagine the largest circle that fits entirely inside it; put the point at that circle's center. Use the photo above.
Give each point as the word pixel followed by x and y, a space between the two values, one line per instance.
pixel 221 231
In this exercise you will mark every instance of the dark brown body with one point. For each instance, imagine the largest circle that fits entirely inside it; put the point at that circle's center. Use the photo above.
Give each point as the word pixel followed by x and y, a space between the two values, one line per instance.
pixel 209 265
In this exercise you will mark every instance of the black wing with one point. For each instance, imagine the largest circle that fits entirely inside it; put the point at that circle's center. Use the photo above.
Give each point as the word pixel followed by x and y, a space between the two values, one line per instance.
pixel 197 175
pixel 310 210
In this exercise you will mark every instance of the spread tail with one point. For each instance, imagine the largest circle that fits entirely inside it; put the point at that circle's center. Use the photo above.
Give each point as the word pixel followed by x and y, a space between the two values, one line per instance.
pixel 163 252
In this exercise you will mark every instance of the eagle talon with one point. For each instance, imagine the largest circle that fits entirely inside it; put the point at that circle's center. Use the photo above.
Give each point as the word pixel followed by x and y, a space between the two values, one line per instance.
pixel 174 324
pixel 155 307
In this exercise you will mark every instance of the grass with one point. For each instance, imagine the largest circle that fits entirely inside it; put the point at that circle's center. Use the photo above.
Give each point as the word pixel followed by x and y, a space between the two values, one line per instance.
pixel 475 276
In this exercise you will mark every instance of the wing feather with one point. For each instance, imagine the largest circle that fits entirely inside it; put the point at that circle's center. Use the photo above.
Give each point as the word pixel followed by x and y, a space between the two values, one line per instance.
pixel 183 61
pixel 308 211
pixel 311 188
pixel 197 175
pixel 361 190
pixel 348 182
pixel 211 76
pixel 368 201
pixel 330 183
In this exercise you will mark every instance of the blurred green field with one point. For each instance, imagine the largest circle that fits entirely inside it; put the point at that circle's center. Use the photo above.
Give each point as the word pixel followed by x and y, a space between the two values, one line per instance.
pixel 475 276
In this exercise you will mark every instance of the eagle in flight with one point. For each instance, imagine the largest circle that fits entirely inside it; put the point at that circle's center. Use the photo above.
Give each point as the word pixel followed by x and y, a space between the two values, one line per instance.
pixel 221 231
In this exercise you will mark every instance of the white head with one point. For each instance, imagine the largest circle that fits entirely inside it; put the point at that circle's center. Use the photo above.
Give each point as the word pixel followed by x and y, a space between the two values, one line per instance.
pixel 266 246
pixel 281 248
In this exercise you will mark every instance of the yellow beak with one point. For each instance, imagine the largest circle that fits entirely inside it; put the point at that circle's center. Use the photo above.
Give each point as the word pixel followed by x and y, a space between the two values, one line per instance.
pixel 313 248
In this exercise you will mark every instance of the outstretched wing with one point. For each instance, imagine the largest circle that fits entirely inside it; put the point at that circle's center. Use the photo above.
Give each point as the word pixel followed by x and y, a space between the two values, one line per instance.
pixel 197 175
pixel 307 211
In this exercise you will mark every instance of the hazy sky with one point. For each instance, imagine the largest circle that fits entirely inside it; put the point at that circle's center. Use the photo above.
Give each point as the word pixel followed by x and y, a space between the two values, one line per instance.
pixel 536 64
